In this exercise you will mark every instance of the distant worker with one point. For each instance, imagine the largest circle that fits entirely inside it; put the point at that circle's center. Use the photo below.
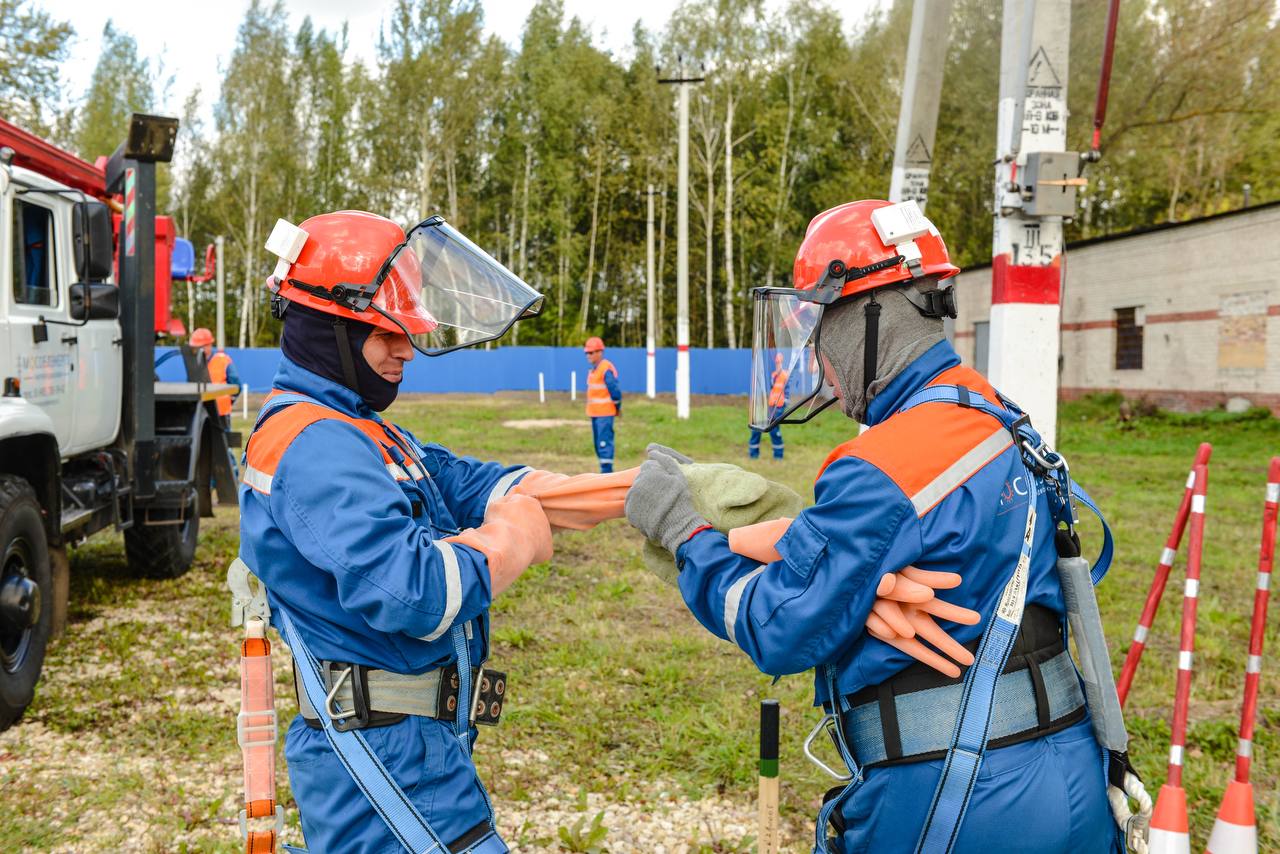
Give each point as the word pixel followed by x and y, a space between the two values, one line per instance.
pixel 604 401
pixel 777 401
pixel 221 370
pixel 950 478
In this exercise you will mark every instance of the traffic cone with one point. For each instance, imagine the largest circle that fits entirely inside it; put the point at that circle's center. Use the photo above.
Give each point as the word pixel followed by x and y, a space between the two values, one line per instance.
pixel 1169 831
pixel 1236 830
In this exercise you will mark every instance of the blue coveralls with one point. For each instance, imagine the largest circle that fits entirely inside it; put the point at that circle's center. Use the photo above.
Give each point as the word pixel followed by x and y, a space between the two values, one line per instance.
pixel 898 496
pixel 602 425
pixel 357 559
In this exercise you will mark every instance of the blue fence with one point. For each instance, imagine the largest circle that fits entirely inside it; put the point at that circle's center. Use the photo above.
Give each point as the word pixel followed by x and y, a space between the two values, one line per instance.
pixel 516 369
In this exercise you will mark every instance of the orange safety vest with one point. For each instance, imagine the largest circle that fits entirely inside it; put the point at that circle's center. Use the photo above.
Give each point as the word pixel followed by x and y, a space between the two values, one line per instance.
pixel 778 394
pixel 218 374
pixel 598 400
pixel 269 442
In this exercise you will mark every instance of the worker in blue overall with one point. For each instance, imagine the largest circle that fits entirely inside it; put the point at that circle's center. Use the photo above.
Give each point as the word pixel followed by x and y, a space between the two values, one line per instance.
pixel 938 482
pixel 381 553
pixel 777 402
pixel 604 401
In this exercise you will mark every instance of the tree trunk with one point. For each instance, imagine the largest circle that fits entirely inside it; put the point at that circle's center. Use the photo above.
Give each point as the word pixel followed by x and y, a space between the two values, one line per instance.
pixel 250 234
pixel 708 226
pixel 591 251
pixel 451 182
pixel 730 288
pixel 524 211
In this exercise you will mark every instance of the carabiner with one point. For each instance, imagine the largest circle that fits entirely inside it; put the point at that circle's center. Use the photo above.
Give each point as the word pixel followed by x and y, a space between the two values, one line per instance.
pixel 827 723
pixel 329 698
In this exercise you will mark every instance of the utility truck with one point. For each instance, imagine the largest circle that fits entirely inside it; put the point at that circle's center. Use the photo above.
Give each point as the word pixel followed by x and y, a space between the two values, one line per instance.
pixel 89 441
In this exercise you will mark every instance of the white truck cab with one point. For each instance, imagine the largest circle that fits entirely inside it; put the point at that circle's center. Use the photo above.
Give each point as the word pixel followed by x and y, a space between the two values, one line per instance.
pixel 89 441
pixel 69 369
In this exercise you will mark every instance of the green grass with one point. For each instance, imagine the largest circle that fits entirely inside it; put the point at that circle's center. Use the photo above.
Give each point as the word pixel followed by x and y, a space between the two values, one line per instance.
pixel 611 679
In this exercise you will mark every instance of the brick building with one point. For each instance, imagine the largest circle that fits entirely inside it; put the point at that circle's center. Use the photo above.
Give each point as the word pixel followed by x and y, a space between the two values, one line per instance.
pixel 1185 314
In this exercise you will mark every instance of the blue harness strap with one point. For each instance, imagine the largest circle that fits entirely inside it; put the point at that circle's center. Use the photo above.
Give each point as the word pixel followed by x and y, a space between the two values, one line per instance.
pixel 366 769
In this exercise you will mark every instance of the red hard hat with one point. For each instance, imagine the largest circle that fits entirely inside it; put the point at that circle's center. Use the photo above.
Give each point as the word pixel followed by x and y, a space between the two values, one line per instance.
pixel 200 338
pixel 846 233
pixel 593 344
pixel 350 248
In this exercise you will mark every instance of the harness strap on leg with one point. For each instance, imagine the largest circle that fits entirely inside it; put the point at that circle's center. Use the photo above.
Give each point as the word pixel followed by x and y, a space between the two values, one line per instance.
pixel 408 826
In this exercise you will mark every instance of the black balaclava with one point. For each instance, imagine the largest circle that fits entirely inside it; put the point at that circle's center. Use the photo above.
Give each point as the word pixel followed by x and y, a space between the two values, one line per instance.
pixel 333 347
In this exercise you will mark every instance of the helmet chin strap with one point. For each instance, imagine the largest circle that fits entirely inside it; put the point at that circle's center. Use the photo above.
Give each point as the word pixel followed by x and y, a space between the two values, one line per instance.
pixel 345 355
pixel 870 344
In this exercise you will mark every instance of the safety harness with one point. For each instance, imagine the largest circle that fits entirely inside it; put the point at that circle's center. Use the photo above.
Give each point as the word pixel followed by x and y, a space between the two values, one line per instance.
pixel 985 701
pixel 321 687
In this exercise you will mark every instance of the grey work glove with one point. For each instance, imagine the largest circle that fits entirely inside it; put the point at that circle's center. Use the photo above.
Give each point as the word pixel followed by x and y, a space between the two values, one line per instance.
pixel 659 503
pixel 655 448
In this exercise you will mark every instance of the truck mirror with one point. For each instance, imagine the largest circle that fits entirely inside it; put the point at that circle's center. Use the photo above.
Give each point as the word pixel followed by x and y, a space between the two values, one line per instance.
pixel 93 241
pixel 94 301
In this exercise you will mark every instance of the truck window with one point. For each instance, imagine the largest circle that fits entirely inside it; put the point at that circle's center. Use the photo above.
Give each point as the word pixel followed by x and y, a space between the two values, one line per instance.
pixel 34 254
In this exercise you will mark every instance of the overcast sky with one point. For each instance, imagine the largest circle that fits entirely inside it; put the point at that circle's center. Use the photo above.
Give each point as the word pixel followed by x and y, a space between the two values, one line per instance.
pixel 194 37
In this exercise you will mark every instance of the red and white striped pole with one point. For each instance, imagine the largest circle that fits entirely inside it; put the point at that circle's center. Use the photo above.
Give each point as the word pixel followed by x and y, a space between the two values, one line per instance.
pixel 1236 828
pixel 1125 682
pixel 1170 833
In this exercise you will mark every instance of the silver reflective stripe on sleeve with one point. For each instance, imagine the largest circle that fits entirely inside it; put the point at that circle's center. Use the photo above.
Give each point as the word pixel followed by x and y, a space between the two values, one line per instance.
pixel 733 601
pixel 452 588
pixel 504 484
pixel 258 480
pixel 961 470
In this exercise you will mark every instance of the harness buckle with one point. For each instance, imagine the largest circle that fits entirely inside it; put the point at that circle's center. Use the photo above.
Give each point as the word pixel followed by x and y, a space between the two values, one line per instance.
pixel 277 828
pixel 357 717
pixel 827 724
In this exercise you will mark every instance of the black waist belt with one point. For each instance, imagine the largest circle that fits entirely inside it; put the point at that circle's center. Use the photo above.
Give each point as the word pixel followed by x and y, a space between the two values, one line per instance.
pixel 363 698
pixel 911 717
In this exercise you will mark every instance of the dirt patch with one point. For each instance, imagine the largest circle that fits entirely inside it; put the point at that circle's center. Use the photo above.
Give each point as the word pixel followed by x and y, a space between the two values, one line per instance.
pixel 544 423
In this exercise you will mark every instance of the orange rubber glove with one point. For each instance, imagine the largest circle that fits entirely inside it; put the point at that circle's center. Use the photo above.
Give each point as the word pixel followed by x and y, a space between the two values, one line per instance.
pixel 515 535
pixel 905 605
pixel 580 502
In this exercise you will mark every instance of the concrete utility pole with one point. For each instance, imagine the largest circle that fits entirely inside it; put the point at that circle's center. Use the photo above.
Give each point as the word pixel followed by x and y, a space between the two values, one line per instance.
pixel 682 247
pixel 222 291
pixel 921 95
pixel 650 345
pixel 1034 190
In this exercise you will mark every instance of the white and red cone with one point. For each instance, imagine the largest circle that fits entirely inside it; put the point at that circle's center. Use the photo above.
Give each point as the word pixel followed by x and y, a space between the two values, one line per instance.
pixel 1236 830
pixel 1170 833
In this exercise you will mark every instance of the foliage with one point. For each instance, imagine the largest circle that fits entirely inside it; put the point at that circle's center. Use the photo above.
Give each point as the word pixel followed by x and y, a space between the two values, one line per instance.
pixel 32 46
pixel 543 152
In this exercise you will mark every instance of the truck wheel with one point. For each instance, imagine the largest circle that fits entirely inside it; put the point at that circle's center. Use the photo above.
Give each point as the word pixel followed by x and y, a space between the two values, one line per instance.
pixel 165 550
pixel 26 597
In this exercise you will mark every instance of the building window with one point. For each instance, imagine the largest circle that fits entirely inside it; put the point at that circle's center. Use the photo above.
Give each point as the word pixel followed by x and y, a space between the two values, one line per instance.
pixel 34 276
pixel 1129 339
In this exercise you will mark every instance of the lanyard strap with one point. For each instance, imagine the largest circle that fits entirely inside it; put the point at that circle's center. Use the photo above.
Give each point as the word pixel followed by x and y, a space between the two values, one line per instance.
pixel 969 740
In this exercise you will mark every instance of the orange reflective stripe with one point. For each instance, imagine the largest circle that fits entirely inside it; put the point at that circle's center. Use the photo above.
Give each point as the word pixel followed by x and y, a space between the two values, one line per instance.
pixel 915 448
pixel 598 400
pixel 268 443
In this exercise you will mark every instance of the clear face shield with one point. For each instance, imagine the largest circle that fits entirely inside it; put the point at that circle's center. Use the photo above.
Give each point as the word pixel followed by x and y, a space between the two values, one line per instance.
pixel 788 384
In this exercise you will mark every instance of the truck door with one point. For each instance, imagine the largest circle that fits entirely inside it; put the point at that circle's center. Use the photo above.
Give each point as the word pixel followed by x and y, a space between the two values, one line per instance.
pixel 98 376
pixel 37 288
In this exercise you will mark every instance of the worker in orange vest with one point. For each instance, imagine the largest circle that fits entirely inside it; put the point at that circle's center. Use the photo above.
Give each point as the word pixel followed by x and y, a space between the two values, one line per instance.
pixel 221 370
pixel 604 401
pixel 777 400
